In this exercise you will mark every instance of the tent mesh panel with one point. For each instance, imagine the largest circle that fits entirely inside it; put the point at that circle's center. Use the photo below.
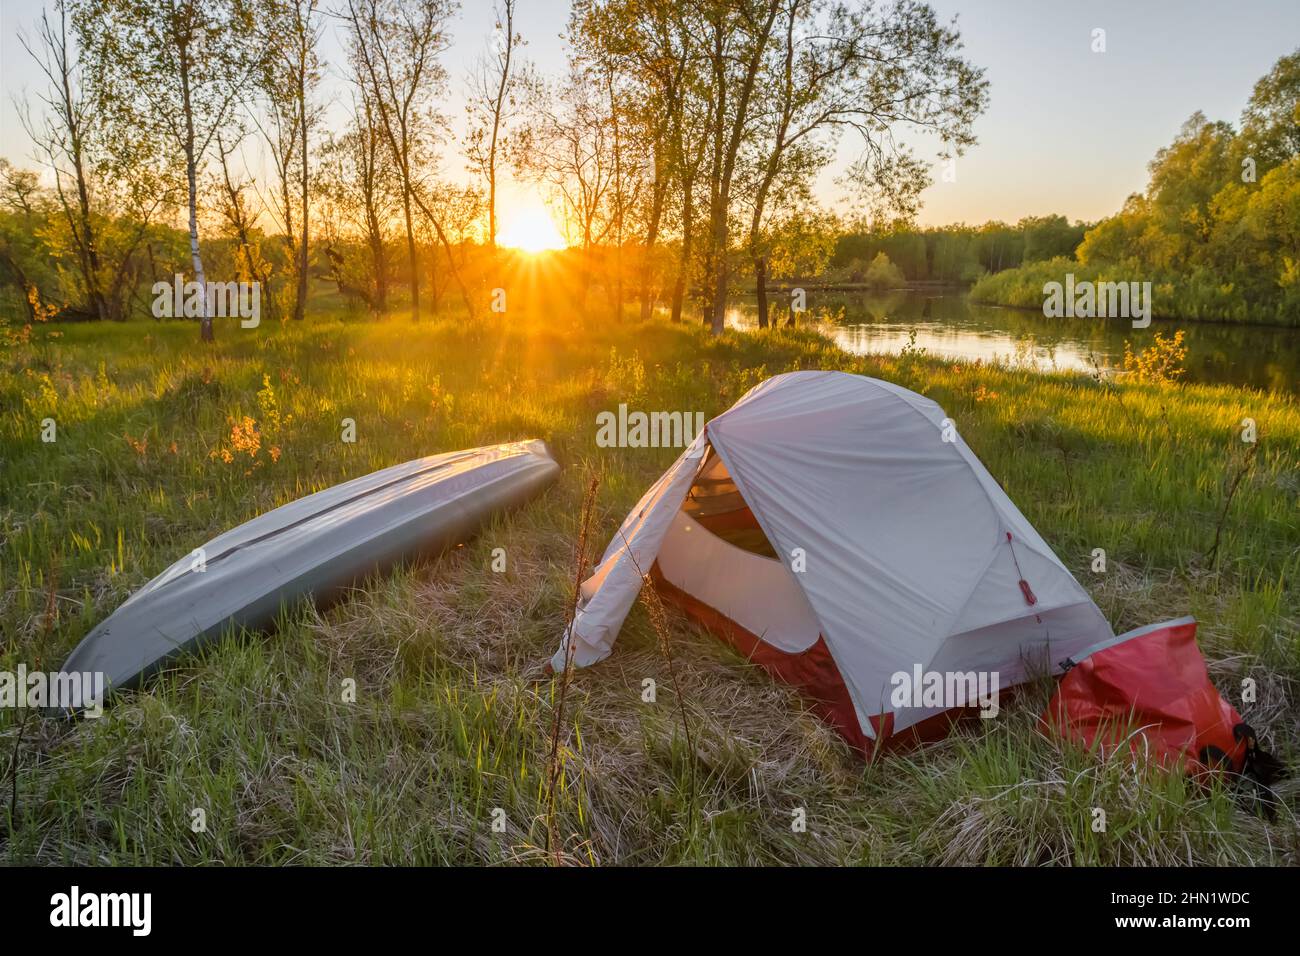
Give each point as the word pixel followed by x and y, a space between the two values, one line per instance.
pixel 716 505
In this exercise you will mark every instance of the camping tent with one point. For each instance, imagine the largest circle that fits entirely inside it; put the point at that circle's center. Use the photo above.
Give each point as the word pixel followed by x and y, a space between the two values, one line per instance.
pixel 839 532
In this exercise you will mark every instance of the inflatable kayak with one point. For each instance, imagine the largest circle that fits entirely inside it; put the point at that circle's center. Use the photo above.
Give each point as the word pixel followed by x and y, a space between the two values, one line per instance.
pixel 315 547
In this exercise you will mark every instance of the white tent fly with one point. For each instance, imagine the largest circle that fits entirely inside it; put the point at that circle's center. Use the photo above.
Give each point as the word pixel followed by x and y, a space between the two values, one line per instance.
pixel 838 530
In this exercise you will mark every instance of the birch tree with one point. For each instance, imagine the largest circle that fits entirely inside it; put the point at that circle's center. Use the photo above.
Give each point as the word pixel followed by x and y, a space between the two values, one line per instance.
pixel 180 66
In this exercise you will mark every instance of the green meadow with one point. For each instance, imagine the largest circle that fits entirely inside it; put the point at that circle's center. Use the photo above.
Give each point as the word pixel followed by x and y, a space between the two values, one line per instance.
pixel 162 443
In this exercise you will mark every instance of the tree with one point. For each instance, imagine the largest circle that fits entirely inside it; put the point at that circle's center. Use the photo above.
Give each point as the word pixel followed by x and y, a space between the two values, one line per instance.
pixel 180 66
pixel 802 242
pixel 627 175
pixel 395 46
pixel 657 44
pixel 1270 123
pixel 833 68
pixel 105 174
pixel 883 274
pixel 1219 242
pixel 783 149
pixel 291 71
pixel 357 183
pixel 687 150
pixel 737 35
pixel 277 121
pixel 494 86
pixel 460 215
pixel 250 264
pixel 1185 176
pixel 573 154
pixel 26 209
pixel 1049 237
pixel 640 48
pixel 64 138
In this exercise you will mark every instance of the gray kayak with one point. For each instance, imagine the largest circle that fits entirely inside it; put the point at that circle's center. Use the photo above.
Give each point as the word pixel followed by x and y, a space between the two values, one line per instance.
pixel 315 547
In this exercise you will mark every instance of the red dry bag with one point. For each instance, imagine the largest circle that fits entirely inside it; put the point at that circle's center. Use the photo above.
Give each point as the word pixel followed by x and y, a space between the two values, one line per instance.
pixel 1149 690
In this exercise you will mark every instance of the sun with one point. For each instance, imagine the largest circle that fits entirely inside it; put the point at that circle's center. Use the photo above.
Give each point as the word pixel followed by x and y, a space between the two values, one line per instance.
pixel 531 229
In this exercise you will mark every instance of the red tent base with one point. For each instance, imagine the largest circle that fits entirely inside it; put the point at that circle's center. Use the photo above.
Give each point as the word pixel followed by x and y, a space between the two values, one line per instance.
pixel 814 673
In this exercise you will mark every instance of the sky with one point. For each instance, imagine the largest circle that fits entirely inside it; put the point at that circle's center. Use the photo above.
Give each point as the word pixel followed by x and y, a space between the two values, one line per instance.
pixel 1067 131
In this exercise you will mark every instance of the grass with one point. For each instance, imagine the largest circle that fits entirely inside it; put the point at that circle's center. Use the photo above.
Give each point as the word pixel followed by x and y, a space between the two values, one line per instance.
pixel 449 732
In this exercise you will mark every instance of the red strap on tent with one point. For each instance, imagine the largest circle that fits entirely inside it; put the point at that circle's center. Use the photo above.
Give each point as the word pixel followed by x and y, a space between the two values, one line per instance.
pixel 1028 592
pixel 1030 598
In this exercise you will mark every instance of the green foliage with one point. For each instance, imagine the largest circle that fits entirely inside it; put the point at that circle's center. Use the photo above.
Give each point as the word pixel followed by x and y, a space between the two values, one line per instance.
pixel 801 243
pixel 1048 237
pixel 958 253
pixel 1217 232
pixel 1270 123
pixel 28 274
pixel 1161 362
pixel 883 274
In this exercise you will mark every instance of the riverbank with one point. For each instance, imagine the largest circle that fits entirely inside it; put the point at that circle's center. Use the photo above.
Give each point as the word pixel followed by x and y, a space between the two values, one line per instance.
pixel 1177 298
pixel 156 453
pixel 814 285
pixel 945 324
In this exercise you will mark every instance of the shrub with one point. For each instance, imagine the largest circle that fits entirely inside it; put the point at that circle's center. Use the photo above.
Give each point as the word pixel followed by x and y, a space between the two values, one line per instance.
pixel 883 274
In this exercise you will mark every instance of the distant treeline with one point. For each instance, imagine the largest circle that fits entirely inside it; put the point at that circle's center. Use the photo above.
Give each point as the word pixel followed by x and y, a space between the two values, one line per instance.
pixel 957 253
pixel 1217 231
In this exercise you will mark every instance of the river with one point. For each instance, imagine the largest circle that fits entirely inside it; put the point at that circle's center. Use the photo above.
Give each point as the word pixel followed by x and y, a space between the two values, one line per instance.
pixel 949 325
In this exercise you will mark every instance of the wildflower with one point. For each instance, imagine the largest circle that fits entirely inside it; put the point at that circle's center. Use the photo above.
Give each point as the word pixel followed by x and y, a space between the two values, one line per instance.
pixel 245 437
